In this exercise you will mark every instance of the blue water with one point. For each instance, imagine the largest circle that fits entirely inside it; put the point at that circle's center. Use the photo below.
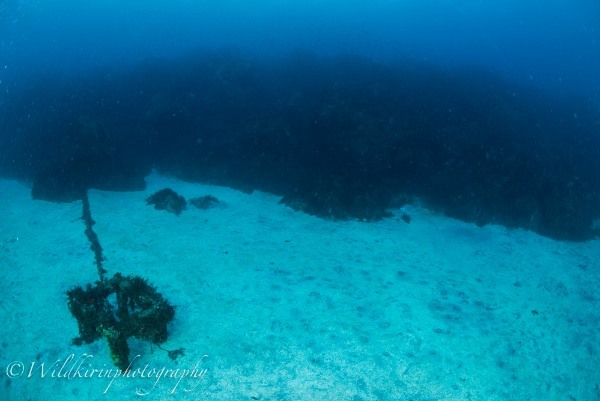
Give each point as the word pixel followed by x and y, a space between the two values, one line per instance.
pixel 555 44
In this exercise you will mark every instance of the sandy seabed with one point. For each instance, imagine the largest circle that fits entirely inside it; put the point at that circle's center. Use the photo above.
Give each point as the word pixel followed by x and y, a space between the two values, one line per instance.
pixel 274 304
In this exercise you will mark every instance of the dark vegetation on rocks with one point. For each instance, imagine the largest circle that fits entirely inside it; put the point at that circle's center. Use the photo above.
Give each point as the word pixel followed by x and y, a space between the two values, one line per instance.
pixel 169 200
pixel 339 138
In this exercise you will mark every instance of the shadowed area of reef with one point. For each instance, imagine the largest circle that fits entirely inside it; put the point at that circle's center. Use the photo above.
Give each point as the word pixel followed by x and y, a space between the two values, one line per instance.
pixel 338 138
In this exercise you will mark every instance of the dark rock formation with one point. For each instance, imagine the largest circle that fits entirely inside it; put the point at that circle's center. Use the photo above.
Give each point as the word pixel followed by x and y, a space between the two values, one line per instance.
pixel 169 200
pixel 338 138
pixel 86 157
pixel 204 202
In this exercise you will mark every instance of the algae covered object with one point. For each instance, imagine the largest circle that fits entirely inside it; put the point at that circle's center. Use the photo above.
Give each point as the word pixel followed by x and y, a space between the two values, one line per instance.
pixel 118 308
pixel 204 202
pixel 169 200
pixel 140 311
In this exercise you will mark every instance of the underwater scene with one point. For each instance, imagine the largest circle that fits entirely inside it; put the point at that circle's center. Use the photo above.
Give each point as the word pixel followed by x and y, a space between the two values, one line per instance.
pixel 300 200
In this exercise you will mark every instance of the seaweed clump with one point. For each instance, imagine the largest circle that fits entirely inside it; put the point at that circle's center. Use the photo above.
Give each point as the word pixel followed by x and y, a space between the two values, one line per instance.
pixel 169 200
pixel 204 202
pixel 118 308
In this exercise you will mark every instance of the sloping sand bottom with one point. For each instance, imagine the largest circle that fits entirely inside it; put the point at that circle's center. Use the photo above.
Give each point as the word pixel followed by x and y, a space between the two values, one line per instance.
pixel 273 304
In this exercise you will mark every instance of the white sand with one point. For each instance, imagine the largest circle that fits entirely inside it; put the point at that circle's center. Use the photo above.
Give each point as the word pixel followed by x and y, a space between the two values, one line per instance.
pixel 292 307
